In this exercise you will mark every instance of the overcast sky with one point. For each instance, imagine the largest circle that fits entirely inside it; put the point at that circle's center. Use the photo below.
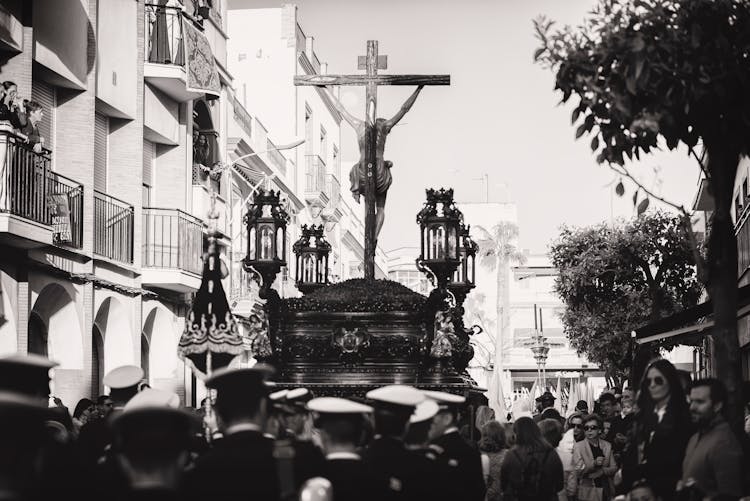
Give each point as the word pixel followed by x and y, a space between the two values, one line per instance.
pixel 498 117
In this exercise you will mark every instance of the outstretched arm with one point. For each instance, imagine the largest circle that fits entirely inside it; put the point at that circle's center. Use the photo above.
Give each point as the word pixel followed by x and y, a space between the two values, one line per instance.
pixel 350 119
pixel 404 108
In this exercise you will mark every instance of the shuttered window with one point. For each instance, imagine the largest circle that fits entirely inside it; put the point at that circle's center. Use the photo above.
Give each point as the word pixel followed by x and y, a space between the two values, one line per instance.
pixel 101 132
pixel 44 94
pixel 149 155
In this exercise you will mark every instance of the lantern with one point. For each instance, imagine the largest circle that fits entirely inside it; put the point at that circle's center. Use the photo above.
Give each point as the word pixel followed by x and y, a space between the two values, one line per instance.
pixel 266 222
pixel 440 223
pixel 463 280
pixel 312 250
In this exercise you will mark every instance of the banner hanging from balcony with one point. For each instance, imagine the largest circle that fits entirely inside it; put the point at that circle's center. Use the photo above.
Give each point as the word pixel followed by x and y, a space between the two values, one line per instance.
pixel 60 212
pixel 202 75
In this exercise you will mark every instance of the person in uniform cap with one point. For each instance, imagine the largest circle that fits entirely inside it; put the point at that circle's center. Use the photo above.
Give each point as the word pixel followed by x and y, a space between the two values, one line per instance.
pixel 464 462
pixel 241 464
pixel 22 445
pixel 408 472
pixel 547 402
pixel 341 425
pixel 123 383
pixel 151 440
pixel 283 424
pixel 26 374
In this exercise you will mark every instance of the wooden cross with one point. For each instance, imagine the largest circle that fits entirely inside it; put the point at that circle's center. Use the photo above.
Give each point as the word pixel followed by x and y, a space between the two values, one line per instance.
pixel 372 63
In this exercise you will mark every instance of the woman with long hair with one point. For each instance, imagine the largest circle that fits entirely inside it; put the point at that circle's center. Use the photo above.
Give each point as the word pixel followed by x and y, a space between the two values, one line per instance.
pixel 662 428
pixel 493 446
pixel 531 470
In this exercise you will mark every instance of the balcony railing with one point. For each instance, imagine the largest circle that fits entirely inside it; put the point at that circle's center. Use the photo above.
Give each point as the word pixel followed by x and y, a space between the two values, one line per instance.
pixel 29 189
pixel 276 157
pixel 24 183
pixel 65 198
pixel 743 245
pixel 315 174
pixel 113 228
pixel 164 35
pixel 333 190
pixel 243 118
pixel 172 239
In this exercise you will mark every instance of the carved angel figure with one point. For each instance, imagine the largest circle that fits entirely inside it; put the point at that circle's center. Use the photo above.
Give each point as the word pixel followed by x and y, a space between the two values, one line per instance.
pixel 445 337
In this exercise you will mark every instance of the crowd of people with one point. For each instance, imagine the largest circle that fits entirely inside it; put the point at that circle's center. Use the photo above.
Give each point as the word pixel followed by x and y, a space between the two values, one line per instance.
pixel 255 440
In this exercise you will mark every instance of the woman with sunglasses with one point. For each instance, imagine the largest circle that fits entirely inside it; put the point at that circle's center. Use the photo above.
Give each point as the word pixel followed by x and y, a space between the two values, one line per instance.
pixel 594 464
pixel 662 428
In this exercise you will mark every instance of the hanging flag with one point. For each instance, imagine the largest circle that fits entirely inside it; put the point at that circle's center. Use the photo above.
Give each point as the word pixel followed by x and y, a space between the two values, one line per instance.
pixel 496 398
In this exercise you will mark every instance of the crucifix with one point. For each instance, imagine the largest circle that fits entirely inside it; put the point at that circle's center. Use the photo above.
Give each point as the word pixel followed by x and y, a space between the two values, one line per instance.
pixel 372 133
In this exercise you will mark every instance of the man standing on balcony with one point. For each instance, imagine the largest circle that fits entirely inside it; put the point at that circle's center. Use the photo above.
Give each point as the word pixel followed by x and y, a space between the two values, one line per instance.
pixel 383 177
pixel 34 115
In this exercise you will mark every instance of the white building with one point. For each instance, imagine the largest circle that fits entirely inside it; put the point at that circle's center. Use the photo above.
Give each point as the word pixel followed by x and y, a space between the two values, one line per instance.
pixel 267 49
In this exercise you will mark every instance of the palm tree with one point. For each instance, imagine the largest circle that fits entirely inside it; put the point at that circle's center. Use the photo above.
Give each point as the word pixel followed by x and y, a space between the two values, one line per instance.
pixel 497 251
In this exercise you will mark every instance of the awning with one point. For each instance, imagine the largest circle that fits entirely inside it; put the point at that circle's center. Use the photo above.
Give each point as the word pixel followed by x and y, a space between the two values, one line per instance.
pixel 690 325
pixel 202 75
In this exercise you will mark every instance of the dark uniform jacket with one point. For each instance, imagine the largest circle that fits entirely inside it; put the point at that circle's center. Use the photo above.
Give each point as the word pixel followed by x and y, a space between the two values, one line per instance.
pixel 407 472
pixel 239 466
pixel 464 466
pixel 352 480
pixel 550 413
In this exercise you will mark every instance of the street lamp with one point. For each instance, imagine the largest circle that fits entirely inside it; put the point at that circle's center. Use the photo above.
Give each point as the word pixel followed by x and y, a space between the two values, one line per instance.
pixel 312 250
pixel 464 278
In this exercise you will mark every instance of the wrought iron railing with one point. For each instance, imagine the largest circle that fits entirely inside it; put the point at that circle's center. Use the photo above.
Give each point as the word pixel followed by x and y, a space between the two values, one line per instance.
pixel 243 118
pixel 315 174
pixel 65 199
pixel 29 189
pixel 164 35
pixel 172 239
pixel 113 228
pixel 24 179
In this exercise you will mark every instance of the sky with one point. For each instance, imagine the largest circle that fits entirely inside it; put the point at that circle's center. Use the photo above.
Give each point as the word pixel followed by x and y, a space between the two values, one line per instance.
pixel 499 119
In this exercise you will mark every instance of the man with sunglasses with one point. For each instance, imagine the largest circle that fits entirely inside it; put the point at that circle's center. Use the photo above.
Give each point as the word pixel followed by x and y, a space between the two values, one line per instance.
pixel 573 434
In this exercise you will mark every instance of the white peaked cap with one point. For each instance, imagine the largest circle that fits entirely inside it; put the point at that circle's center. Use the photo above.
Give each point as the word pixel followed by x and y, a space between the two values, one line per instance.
pixel 334 405
pixel 397 394
pixel 424 411
pixel 296 393
pixel 152 397
pixel 444 398
pixel 124 376
pixel 278 395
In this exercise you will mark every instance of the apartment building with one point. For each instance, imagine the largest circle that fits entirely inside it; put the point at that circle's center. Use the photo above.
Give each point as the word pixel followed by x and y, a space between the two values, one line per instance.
pixel 267 49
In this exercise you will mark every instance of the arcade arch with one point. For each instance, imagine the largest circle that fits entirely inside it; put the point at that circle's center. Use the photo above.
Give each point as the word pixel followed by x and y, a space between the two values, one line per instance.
pixel 113 324
pixel 159 337
pixel 54 327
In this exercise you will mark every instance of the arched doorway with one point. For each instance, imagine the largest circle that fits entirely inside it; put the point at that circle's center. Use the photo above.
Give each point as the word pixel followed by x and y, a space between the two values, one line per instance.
pixel 160 336
pixel 54 327
pixel 37 341
pixel 114 324
pixel 205 144
pixel 145 349
pixel 97 361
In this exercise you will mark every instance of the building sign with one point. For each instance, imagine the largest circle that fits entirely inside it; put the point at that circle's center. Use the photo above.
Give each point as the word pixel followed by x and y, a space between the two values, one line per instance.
pixel 60 212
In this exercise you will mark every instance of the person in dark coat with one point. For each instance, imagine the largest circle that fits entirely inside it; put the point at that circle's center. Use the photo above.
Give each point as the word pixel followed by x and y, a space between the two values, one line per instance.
pixel 341 426
pixel 411 474
pixel 661 432
pixel 547 403
pixel 242 462
pixel 531 470
pixel 464 460
pixel 151 438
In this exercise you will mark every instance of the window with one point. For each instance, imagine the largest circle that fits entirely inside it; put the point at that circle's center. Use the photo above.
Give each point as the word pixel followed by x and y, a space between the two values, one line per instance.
pixel 46 95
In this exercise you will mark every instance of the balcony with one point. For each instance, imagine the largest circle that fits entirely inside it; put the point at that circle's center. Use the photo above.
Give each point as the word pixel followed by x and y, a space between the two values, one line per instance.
pixel 172 249
pixel 179 60
pixel 332 212
pixel 37 207
pixel 202 205
pixel 113 228
pixel 315 182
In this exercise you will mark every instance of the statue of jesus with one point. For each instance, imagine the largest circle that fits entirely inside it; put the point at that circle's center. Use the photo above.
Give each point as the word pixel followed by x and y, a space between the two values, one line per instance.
pixel 383 177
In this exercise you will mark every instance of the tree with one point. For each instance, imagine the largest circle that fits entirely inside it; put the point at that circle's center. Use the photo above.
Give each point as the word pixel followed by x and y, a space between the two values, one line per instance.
pixel 497 250
pixel 613 279
pixel 652 72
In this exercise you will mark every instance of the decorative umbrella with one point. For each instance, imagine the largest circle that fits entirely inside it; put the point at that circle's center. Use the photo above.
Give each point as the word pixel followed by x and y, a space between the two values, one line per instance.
pixel 211 338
